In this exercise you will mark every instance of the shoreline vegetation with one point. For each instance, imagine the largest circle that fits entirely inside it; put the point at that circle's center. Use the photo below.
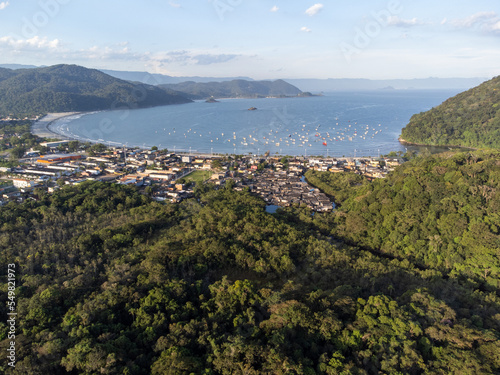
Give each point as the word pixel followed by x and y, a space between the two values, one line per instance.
pixel 471 119
pixel 458 147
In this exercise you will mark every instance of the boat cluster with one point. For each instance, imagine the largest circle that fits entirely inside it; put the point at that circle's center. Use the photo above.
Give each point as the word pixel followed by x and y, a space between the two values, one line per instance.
pixel 303 137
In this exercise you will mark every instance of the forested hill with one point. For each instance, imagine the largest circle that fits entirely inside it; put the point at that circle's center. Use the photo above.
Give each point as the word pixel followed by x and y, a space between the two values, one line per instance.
pixel 440 212
pixel 470 119
pixel 237 88
pixel 402 279
pixel 63 88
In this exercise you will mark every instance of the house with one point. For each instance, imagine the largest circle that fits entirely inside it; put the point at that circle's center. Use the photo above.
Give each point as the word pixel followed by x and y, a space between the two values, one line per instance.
pixel 22 183
pixel 58 158
pixel 54 144
pixel 131 180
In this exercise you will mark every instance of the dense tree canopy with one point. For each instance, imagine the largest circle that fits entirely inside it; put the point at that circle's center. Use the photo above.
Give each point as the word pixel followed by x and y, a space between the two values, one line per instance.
pixel 237 88
pixel 110 282
pixel 470 119
pixel 65 88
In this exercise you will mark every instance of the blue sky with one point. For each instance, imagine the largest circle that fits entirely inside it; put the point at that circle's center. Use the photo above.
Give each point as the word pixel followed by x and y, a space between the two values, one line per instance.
pixel 262 39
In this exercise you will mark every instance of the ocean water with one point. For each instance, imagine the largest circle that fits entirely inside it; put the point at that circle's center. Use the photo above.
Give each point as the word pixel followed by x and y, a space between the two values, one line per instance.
pixel 336 124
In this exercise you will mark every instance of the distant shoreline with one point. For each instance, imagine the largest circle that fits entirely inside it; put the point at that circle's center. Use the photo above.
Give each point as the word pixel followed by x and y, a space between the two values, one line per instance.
pixel 405 142
pixel 41 128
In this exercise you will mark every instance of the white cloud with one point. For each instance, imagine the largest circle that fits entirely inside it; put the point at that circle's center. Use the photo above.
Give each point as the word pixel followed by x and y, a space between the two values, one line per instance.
pixel 103 53
pixel 312 11
pixel 274 9
pixel 488 22
pixel 4 5
pixel 29 44
pixel 305 29
pixel 178 58
pixel 495 26
pixel 174 5
pixel 474 20
pixel 208 59
pixel 396 21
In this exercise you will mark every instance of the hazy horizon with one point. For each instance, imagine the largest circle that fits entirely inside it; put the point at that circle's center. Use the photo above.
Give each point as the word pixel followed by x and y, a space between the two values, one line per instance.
pixel 15 66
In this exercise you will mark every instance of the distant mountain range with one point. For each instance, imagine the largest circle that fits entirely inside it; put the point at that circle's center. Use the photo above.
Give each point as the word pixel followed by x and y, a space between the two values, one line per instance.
pixel 235 89
pixel 25 90
pixel 162 79
pixel 470 119
pixel 67 88
pixel 318 85
pixel 20 66
pixel 313 85
pixel 352 84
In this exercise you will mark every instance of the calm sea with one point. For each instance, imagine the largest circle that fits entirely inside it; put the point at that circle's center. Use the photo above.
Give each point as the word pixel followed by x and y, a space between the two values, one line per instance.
pixel 336 124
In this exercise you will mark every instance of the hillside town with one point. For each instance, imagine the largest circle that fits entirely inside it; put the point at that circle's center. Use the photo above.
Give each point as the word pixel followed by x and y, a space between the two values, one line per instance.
pixel 167 176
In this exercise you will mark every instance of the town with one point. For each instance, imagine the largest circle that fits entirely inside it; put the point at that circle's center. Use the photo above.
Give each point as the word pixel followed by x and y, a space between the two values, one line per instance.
pixel 172 177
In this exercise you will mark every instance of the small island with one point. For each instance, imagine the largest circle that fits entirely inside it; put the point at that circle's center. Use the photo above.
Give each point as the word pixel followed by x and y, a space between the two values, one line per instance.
pixel 211 100
pixel 306 94
pixel 252 109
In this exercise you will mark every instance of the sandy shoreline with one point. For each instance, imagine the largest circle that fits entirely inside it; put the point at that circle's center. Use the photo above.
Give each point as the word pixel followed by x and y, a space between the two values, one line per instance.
pixel 41 127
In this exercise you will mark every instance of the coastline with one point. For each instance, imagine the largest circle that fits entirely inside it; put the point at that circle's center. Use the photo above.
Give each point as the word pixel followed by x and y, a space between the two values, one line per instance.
pixel 405 142
pixel 41 128
pixel 142 130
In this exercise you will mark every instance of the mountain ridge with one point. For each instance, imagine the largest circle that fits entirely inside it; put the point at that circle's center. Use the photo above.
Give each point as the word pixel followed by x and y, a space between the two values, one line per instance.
pixel 235 89
pixel 70 88
pixel 304 84
pixel 469 119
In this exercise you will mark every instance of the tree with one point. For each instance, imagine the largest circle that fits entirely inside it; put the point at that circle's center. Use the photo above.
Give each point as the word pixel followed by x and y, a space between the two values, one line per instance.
pixel 42 149
pixel 216 164
pixel 17 152
pixel 73 146
pixel 98 148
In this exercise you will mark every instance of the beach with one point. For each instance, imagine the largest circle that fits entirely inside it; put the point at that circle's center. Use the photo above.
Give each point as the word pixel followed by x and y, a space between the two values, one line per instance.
pixel 41 127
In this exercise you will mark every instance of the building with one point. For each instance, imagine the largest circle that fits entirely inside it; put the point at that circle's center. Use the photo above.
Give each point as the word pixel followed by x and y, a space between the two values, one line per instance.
pixel 54 144
pixel 22 183
pixel 58 158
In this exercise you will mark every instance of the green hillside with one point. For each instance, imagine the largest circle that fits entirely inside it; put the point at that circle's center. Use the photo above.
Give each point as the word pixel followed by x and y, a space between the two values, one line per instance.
pixel 237 88
pixel 402 279
pixel 439 212
pixel 470 119
pixel 6 73
pixel 63 88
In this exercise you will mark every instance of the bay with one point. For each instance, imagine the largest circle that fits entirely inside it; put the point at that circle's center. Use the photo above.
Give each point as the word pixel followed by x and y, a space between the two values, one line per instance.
pixel 335 124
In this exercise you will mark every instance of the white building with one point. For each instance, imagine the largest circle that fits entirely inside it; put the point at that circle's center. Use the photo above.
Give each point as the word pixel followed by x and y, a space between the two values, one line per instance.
pixel 22 183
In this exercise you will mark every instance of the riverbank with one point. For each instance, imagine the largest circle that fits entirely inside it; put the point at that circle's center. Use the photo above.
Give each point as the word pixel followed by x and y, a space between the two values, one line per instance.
pixel 41 126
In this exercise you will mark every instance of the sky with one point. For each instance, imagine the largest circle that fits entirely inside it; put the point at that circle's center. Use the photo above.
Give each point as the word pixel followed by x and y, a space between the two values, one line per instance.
pixel 261 39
